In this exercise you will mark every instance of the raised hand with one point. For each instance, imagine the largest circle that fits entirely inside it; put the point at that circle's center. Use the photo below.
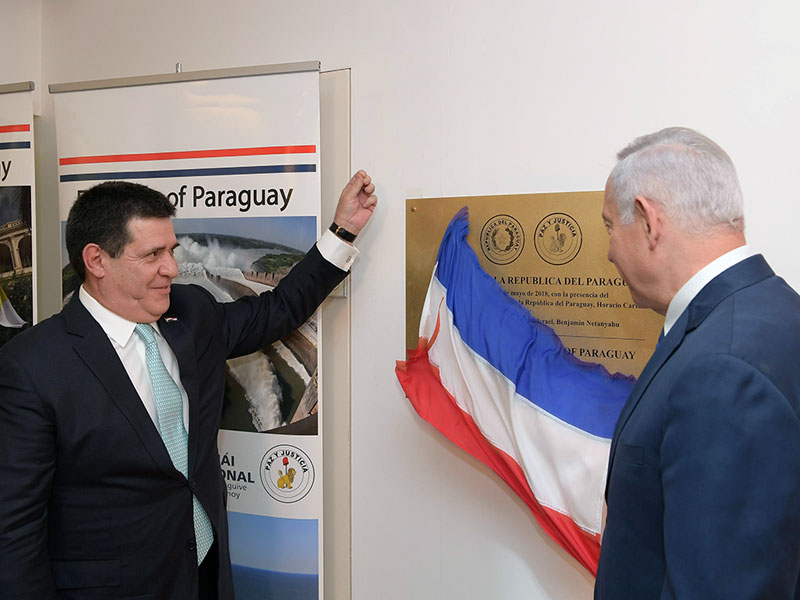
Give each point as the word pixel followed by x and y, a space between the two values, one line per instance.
pixel 356 203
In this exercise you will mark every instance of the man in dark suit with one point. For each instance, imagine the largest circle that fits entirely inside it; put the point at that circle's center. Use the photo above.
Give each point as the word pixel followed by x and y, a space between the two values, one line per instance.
pixel 703 490
pixel 102 492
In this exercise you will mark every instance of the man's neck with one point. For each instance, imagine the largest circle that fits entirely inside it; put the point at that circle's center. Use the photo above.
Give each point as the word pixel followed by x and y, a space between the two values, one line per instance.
pixel 692 253
pixel 703 275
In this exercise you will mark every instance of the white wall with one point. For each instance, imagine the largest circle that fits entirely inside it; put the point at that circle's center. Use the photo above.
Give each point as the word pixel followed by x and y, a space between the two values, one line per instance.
pixel 462 98
pixel 21 44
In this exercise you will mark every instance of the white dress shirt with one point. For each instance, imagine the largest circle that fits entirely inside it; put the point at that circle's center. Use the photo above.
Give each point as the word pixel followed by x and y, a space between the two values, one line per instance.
pixel 131 351
pixel 692 287
pixel 131 348
pixel 336 251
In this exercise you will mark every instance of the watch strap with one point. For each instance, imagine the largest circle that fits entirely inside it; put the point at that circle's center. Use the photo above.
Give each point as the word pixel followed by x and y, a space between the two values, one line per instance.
pixel 342 232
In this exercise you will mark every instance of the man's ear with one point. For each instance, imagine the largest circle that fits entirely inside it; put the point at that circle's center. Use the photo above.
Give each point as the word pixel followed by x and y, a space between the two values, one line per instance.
pixel 649 215
pixel 94 260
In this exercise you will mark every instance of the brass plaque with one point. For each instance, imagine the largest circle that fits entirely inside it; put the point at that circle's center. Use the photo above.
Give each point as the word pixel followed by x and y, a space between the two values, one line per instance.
pixel 548 251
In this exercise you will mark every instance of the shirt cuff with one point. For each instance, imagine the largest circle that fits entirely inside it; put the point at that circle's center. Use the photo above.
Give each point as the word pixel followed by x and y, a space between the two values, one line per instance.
pixel 336 251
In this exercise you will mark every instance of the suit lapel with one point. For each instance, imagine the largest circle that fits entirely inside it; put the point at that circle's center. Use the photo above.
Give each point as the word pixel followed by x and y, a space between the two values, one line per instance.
pixel 663 351
pixel 180 340
pixel 741 275
pixel 97 352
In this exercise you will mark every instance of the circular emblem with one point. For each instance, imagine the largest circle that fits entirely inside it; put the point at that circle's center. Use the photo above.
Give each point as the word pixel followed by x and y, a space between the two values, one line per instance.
pixel 287 473
pixel 502 239
pixel 558 238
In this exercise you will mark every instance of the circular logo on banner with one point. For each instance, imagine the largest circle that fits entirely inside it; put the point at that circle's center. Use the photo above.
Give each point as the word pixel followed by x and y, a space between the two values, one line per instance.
pixel 287 473
pixel 502 239
pixel 558 238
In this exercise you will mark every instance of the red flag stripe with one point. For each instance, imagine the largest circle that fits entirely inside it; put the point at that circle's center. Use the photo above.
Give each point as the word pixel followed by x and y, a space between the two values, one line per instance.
pixel 13 128
pixel 421 382
pixel 224 152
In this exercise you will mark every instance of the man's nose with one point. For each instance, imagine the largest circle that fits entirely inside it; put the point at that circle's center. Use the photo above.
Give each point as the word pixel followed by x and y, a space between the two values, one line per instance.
pixel 169 267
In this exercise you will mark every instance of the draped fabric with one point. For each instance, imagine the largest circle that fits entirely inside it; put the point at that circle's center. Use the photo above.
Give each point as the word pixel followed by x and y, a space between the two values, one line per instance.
pixel 499 384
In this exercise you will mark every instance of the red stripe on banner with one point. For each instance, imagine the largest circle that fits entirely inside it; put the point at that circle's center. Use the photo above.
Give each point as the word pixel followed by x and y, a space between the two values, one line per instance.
pixel 423 387
pixel 110 158
pixel 12 128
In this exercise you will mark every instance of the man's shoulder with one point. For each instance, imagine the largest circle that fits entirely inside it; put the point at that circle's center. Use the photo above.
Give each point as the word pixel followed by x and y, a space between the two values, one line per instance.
pixel 764 312
pixel 190 301
pixel 766 319
pixel 748 296
pixel 34 341
pixel 181 291
pixel 767 303
pixel 757 327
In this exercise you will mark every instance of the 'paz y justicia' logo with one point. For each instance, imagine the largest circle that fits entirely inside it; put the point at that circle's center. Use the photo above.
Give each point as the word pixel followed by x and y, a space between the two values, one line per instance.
pixel 287 473
pixel 558 238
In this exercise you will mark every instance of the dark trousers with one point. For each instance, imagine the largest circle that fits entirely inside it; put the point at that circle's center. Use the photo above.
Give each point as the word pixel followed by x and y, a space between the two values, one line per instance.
pixel 207 574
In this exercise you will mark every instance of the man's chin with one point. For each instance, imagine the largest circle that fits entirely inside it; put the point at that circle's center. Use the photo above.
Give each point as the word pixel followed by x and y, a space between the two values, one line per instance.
pixel 157 308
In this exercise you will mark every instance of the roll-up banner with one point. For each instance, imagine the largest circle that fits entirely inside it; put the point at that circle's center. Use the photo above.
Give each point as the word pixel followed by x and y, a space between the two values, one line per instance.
pixel 17 210
pixel 237 152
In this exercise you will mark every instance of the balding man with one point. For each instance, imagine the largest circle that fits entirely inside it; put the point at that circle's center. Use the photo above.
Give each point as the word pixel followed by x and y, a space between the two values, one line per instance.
pixel 704 476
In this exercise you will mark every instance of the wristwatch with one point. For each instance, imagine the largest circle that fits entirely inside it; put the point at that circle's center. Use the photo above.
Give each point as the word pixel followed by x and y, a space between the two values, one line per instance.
pixel 342 232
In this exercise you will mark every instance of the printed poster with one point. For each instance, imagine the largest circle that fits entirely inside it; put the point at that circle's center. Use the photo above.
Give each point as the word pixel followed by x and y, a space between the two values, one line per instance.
pixel 17 212
pixel 239 159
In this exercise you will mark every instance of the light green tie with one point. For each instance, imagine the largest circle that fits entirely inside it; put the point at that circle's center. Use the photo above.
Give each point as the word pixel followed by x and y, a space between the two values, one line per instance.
pixel 169 407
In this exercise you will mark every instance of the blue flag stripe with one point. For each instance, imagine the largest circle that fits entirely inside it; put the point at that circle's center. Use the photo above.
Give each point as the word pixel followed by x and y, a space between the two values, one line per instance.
pixel 14 145
pixel 209 172
pixel 522 348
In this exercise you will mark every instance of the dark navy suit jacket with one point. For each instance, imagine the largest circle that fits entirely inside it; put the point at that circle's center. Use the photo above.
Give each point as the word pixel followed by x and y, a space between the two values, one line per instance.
pixel 704 475
pixel 90 503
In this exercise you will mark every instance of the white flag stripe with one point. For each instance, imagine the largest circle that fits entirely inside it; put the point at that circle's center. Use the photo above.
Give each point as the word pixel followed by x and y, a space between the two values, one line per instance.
pixel 565 467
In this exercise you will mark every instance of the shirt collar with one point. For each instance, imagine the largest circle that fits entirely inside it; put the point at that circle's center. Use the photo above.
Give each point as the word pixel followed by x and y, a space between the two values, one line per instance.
pixel 119 329
pixel 691 288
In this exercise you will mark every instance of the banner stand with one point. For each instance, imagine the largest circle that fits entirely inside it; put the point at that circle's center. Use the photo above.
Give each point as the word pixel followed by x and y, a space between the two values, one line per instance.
pixel 18 286
pixel 237 152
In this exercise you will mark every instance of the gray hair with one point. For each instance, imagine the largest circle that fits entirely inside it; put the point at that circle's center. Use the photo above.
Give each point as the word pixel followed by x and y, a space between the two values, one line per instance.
pixel 684 171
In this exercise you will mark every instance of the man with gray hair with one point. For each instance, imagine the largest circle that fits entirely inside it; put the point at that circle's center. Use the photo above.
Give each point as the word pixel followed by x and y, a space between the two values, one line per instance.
pixel 703 488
